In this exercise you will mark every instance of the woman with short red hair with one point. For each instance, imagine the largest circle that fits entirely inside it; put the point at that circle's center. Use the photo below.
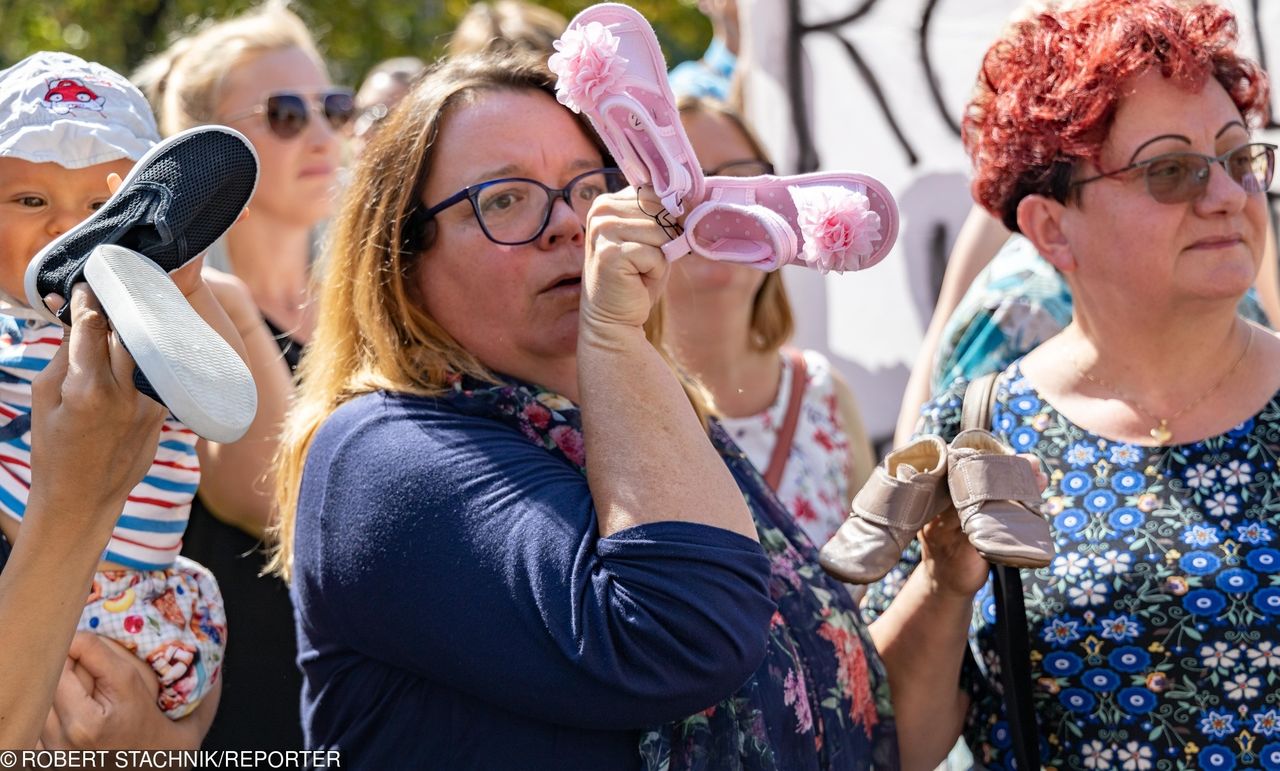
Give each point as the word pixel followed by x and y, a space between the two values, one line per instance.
pixel 1115 135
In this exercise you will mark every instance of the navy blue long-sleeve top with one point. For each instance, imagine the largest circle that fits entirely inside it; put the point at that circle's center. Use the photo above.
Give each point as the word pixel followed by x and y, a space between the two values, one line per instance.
pixel 457 607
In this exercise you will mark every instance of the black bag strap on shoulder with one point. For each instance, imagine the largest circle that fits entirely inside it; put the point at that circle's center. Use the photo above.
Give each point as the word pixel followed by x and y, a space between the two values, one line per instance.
pixel 1013 644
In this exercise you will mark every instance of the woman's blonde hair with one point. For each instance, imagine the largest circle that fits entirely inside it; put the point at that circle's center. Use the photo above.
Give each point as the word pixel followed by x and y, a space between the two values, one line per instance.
pixel 771 321
pixel 372 332
pixel 184 82
pixel 507 25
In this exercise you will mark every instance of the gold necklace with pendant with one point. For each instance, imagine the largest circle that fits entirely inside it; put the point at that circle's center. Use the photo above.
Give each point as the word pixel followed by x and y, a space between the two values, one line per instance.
pixel 1162 433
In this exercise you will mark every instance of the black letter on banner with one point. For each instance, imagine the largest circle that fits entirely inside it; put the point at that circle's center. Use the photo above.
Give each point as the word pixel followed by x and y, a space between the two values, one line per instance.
pixel 807 159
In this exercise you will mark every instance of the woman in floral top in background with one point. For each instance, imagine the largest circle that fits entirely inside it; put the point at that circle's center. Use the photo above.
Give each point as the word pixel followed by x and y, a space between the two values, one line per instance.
pixel 1154 631
pixel 729 324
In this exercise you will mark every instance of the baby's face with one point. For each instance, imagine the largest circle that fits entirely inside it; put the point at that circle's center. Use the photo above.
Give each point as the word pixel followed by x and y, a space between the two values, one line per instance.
pixel 40 201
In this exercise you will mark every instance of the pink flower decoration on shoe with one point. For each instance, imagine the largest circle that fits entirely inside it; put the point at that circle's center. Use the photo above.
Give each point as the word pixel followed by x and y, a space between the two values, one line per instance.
pixel 837 225
pixel 587 65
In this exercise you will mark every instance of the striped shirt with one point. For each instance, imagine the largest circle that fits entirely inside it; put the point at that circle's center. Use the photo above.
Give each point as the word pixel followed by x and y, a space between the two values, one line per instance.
pixel 148 534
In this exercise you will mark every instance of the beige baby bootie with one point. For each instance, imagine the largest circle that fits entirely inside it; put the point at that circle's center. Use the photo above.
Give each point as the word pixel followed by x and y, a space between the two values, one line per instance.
pixel 998 500
pixel 903 493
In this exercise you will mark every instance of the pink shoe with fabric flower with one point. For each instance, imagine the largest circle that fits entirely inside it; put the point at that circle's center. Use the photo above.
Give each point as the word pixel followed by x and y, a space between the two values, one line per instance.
pixel 610 68
pixel 827 221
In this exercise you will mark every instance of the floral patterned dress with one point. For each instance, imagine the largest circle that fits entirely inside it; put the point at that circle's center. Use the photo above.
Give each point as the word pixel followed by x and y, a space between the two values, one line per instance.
pixel 1154 631
pixel 815 481
pixel 820 699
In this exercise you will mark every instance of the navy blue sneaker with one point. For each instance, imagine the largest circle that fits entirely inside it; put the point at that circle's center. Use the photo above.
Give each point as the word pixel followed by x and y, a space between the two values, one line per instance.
pixel 176 201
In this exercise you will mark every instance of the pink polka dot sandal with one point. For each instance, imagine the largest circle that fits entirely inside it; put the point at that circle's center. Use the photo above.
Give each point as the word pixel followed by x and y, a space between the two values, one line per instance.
pixel 828 221
pixel 610 68
pixel 728 230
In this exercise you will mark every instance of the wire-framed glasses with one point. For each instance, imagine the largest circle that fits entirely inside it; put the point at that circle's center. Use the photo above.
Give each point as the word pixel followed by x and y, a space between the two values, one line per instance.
pixel 1184 176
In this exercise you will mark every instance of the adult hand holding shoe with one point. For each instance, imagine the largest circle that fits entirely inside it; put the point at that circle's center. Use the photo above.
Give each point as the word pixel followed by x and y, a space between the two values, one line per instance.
pixel 629 390
pixel 92 438
pixel 625 271
pixel 924 632
pixel 93 435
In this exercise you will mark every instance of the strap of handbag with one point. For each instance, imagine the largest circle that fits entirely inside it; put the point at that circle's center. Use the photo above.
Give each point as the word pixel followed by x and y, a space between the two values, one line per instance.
pixel 1012 642
pixel 782 448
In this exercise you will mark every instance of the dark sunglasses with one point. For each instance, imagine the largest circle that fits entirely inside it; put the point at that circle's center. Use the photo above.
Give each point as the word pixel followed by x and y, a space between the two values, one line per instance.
pixel 1183 177
pixel 514 210
pixel 289 112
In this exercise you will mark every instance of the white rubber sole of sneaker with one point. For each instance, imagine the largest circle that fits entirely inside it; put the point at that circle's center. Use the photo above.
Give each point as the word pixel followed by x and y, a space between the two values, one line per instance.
pixel 200 377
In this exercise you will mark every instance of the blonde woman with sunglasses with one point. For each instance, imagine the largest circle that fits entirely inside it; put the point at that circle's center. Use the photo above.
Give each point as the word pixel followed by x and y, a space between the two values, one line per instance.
pixel 261 74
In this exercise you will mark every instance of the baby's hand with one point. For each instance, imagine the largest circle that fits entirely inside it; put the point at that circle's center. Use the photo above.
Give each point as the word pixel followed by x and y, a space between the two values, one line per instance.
pixel 188 277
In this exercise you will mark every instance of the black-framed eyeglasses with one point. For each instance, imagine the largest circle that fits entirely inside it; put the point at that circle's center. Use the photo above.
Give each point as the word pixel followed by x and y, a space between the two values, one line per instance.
pixel 515 210
pixel 743 167
pixel 289 112
pixel 1184 176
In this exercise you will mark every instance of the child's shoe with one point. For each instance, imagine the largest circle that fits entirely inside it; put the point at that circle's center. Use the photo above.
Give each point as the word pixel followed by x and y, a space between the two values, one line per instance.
pixel 902 495
pixel 998 500
pixel 738 232
pixel 836 222
pixel 176 201
pixel 188 367
pixel 610 68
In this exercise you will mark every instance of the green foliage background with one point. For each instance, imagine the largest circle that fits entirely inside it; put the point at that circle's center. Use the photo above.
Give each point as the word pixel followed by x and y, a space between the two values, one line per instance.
pixel 354 34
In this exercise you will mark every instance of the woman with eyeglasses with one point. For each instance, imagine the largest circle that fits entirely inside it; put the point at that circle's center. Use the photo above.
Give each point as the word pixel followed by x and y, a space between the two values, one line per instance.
pixel 1127 159
pixel 789 410
pixel 261 74
pixel 515 537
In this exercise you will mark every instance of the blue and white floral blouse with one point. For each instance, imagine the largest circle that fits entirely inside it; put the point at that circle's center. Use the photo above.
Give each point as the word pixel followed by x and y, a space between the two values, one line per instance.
pixel 1154 632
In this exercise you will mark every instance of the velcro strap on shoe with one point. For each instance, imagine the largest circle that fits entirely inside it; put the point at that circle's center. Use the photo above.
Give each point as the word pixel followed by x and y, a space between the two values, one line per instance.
pixel 988 477
pixel 677 247
pixel 139 213
pixel 892 502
